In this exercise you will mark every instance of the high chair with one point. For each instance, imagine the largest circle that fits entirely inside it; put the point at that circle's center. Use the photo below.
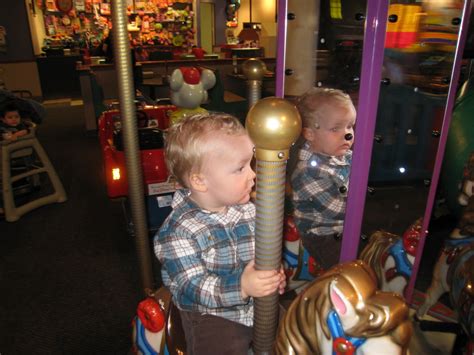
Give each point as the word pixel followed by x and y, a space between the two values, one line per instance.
pixel 27 148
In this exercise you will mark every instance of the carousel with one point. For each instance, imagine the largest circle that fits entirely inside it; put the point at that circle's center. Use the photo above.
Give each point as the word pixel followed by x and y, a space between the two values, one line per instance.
pixel 401 65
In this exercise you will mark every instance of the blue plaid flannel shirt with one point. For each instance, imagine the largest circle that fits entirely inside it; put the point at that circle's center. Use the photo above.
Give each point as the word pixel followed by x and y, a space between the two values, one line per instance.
pixel 319 184
pixel 203 255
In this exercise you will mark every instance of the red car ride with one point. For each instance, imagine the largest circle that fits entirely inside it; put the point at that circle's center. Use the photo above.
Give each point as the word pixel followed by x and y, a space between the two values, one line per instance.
pixel 152 122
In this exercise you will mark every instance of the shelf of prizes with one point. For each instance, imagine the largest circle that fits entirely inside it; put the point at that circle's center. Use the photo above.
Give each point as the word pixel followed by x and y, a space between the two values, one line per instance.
pixel 78 24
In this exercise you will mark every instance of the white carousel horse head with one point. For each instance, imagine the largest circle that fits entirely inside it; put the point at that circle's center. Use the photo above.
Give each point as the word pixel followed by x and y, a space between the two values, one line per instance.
pixel 343 311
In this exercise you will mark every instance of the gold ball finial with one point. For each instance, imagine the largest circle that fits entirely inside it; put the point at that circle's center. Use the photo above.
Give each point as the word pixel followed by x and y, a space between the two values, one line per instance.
pixel 274 124
pixel 254 69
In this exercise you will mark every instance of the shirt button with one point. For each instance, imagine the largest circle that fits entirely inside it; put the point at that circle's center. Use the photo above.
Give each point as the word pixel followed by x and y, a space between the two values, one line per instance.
pixel 343 189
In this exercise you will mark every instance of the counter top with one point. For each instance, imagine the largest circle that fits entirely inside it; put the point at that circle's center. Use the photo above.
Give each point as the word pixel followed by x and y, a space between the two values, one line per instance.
pixel 185 61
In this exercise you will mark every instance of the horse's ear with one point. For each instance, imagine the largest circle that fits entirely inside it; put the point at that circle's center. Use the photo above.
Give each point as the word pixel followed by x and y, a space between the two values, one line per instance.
pixel 337 299
pixel 342 306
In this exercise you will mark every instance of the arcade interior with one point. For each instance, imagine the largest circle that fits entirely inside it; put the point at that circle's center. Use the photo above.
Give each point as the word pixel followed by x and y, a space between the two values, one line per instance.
pixel 71 266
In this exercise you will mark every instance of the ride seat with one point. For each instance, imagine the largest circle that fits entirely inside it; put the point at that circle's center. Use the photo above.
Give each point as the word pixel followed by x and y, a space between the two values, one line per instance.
pixel 28 148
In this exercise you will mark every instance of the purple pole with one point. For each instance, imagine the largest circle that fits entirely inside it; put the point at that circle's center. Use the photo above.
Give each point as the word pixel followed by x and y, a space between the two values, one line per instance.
pixel 442 144
pixel 281 49
pixel 372 59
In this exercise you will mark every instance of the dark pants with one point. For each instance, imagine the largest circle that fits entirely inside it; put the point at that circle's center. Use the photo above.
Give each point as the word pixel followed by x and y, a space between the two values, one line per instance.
pixel 324 249
pixel 211 335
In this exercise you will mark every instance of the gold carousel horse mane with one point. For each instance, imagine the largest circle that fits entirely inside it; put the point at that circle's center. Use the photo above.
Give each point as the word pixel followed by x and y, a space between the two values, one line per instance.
pixel 379 242
pixel 381 313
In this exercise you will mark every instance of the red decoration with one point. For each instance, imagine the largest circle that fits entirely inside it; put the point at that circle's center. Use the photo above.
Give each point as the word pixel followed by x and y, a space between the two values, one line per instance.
pixel 151 315
pixel 191 75
pixel 411 237
pixel 64 5
pixel 342 346
pixel 290 232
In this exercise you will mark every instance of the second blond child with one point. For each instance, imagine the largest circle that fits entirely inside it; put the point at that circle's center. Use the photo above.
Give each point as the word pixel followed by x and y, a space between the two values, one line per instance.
pixel 320 180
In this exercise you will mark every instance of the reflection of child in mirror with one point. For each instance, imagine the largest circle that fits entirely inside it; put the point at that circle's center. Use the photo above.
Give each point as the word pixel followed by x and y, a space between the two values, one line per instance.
pixel 11 125
pixel 320 179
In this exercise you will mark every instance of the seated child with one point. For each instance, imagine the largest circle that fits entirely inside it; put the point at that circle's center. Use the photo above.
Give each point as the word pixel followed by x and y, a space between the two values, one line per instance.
pixel 206 245
pixel 11 126
pixel 320 179
pixel 28 108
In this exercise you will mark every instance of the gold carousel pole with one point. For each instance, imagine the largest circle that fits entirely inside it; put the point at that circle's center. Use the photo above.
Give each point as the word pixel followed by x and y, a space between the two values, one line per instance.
pixel 254 69
pixel 274 124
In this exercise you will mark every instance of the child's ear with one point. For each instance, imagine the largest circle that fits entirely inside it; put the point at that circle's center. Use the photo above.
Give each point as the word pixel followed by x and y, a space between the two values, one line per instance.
pixel 197 182
pixel 308 134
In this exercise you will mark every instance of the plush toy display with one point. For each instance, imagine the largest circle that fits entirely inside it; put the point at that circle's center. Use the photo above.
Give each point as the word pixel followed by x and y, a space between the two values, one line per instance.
pixel 189 87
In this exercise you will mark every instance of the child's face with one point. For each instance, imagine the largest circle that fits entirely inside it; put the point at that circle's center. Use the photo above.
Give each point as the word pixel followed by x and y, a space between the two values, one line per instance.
pixel 330 137
pixel 11 118
pixel 226 171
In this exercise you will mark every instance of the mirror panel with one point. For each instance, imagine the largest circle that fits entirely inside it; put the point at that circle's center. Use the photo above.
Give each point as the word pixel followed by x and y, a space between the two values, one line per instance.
pixel 420 45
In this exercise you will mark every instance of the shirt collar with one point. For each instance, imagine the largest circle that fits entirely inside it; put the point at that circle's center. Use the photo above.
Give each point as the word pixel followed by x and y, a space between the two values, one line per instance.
pixel 307 154
pixel 182 203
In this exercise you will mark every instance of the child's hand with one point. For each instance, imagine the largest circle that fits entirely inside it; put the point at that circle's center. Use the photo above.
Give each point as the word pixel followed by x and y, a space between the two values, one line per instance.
pixel 21 133
pixel 260 283
pixel 7 136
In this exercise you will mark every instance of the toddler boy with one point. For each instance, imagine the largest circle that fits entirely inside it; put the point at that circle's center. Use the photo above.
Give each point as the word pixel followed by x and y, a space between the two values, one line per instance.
pixel 206 246
pixel 320 179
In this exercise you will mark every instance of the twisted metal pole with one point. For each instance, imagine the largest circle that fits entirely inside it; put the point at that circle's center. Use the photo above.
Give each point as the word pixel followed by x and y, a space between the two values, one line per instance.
pixel 273 124
pixel 123 67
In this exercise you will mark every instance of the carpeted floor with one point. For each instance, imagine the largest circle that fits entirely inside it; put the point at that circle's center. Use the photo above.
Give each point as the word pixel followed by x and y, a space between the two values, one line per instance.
pixel 68 272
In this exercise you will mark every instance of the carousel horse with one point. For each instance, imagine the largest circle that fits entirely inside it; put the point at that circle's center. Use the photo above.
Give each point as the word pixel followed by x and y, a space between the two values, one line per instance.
pixel 454 269
pixel 453 251
pixel 467 183
pixel 392 256
pixel 157 326
pixel 299 266
pixel 342 312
